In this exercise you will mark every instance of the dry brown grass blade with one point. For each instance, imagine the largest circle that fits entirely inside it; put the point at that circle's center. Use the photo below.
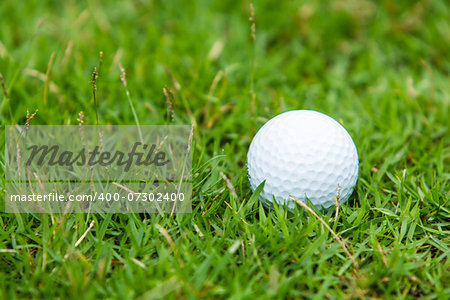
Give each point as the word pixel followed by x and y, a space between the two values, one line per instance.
pixel 47 75
pixel 169 99
pixel 3 84
pixel 336 237
pixel 337 202
pixel 166 235
pixel 85 233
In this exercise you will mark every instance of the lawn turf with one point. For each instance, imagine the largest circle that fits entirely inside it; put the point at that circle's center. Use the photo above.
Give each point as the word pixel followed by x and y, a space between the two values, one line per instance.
pixel 381 69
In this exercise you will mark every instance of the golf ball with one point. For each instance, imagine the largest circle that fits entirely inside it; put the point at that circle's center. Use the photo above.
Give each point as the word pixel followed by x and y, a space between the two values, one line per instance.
pixel 303 154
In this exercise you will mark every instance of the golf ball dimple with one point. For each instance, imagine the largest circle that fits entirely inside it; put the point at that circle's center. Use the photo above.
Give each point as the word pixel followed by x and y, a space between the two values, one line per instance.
pixel 303 154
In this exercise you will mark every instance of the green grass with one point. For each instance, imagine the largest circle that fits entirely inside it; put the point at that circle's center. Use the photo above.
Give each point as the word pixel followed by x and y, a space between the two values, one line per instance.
pixel 382 69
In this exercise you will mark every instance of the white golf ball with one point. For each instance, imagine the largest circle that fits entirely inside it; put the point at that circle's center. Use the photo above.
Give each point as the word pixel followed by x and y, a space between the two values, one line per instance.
pixel 303 154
